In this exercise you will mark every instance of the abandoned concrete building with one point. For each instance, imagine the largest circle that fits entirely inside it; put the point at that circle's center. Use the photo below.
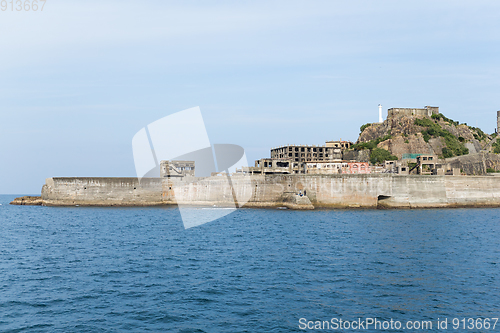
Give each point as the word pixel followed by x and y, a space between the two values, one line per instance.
pixel 176 169
pixel 302 159
pixel 358 167
pixel 319 168
pixel 420 164
pixel 275 166
pixel 426 164
pixel 331 151
pixel 498 121
pixel 426 111
pixel 323 168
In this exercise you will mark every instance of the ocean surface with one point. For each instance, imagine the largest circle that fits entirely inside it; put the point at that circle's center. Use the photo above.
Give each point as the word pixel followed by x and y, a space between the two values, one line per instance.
pixel 257 270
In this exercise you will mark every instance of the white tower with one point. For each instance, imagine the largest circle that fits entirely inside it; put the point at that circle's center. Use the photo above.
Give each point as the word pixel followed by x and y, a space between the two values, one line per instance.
pixel 380 119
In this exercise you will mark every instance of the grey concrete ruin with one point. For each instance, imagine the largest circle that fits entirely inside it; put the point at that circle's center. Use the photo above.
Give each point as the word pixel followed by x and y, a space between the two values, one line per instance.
pixel 426 111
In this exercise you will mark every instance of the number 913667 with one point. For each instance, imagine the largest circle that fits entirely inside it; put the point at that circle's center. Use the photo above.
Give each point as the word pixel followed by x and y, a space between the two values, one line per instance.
pixel 22 5
pixel 474 324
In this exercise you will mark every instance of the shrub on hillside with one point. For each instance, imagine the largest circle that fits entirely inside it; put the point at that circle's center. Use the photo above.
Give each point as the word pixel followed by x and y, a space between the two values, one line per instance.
pixel 496 146
pixel 432 130
pixel 379 155
pixel 365 126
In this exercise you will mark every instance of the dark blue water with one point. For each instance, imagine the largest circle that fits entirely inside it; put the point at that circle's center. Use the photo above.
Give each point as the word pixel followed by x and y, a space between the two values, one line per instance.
pixel 138 270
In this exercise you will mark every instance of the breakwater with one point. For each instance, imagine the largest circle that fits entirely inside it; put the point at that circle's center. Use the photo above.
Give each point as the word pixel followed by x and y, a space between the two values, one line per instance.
pixel 320 191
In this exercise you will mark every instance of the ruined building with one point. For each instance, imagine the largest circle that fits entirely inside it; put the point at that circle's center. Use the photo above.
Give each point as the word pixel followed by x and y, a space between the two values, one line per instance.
pixel 176 169
pixel 498 122
pixel 331 151
pixel 302 159
pixel 426 111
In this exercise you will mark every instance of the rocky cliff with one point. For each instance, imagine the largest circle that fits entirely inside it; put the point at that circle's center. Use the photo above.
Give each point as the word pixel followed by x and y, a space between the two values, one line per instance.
pixel 437 135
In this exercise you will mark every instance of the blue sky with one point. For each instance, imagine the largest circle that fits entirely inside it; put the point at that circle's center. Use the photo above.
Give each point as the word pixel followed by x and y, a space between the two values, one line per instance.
pixel 79 79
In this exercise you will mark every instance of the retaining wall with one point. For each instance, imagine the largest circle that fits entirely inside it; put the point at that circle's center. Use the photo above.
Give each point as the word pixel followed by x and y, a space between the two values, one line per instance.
pixel 333 191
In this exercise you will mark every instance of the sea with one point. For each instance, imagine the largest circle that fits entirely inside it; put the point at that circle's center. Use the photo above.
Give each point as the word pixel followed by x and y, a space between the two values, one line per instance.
pixel 80 269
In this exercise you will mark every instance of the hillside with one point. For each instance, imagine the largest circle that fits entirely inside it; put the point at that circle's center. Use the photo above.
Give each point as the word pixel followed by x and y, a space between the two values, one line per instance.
pixel 437 135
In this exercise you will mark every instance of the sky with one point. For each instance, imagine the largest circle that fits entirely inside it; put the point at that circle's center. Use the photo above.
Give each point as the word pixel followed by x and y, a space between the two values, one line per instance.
pixel 80 78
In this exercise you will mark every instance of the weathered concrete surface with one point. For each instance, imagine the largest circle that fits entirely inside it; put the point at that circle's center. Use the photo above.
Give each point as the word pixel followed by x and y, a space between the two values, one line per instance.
pixel 28 201
pixel 328 191
pixel 294 201
pixel 102 192
pixel 475 164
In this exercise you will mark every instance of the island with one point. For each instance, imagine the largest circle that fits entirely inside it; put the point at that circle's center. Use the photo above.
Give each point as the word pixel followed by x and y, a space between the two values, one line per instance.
pixel 416 158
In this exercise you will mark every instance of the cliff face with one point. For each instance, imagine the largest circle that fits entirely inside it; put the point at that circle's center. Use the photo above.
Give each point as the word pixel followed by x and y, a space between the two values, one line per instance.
pixel 425 135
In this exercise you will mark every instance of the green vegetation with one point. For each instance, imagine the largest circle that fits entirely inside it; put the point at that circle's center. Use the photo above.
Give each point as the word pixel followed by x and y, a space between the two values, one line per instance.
pixel 479 135
pixel 441 116
pixel 453 145
pixel 496 146
pixel 407 141
pixel 456 147
pixel 494 135
pixel 490 170
pixel 370 144
pixel 379 155
pixel 365 126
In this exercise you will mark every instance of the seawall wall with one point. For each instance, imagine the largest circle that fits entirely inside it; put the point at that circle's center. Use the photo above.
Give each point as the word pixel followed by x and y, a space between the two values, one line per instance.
pixel 328 191
pixel 102 192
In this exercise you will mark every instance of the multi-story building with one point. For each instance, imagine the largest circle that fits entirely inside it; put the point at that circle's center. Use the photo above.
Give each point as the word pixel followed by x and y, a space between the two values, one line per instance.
pixel 331 151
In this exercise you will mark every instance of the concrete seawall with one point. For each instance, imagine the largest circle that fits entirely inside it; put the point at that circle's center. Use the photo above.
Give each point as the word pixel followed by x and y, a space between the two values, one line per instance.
pixel 328 191
pixel 102 192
